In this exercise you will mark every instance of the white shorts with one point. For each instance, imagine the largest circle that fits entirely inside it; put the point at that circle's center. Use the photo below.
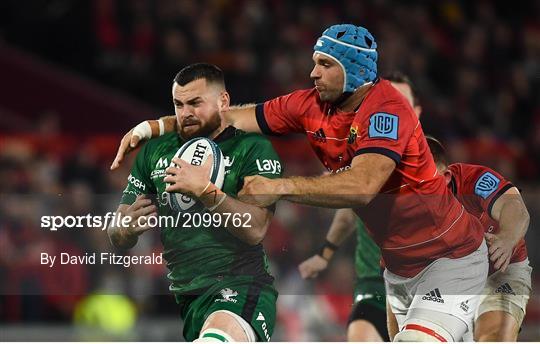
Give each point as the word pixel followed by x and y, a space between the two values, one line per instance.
pixel 508 291
pixel 447 287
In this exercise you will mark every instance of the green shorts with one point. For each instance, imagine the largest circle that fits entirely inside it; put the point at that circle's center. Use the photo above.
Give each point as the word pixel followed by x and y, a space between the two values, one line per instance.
pixel 253 300
pixel 370 304
pixel 370 290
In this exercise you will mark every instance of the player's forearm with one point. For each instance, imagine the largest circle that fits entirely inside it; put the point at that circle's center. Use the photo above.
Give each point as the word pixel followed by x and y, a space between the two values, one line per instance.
pixel 243 117
pixel 340 190
pixel 121 237
pixel 247 222
pixel 168 123
pixel 342 226
pixel 513 220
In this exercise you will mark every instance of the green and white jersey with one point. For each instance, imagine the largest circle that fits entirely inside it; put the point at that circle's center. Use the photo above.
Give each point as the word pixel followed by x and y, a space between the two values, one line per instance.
pixel 367 255
pixel 199 256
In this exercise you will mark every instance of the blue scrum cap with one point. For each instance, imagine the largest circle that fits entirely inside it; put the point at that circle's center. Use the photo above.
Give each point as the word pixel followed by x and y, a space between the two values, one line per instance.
pixel 355 49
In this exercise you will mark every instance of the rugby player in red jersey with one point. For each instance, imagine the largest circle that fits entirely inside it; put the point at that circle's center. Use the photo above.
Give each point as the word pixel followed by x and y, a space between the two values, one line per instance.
pixel 498 204
pixel 363 128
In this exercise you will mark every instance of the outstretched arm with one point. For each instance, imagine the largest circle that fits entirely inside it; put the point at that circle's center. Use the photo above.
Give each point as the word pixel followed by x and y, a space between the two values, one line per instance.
pixel 510 212
pixel 127 237
pixel 342 226
pixel 239 116
pixel 352 188
pixel 247 222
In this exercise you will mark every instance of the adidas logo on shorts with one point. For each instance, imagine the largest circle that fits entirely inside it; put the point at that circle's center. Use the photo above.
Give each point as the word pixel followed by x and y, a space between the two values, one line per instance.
pixel 434 295
pixel 505 289
pixel 464 306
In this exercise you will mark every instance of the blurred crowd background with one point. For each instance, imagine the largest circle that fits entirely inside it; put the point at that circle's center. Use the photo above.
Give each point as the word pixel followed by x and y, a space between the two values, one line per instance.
pixel 77 74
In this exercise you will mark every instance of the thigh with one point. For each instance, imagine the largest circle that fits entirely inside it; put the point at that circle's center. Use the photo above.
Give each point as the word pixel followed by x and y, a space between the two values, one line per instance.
pixel 369 309
pixel 508 291
pixel 398 296
pixel 504 302
pixel 252 301
pixel 391 323
pixel 363 315
pixel 453 287
pixel 496 326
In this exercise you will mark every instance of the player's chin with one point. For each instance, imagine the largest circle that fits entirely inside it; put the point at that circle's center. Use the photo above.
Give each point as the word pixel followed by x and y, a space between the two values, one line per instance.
pixel 190 131
pixel 327 96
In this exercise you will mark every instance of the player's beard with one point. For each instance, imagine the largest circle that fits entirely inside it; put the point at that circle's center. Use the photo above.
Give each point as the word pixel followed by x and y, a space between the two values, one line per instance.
pixel 330 96
pixel 191 127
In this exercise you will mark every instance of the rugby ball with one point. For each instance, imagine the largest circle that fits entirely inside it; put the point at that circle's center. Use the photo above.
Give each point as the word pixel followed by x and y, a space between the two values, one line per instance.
pixel 196 151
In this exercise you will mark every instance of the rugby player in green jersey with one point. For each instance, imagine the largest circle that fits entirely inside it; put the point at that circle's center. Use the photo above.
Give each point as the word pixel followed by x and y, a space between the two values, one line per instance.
pixel 367 321
pixel 217 268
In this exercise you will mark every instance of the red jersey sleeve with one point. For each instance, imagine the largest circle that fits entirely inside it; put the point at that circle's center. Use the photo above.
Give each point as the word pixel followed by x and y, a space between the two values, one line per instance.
pixel 385 129
pixel 283 115
pixel 483 185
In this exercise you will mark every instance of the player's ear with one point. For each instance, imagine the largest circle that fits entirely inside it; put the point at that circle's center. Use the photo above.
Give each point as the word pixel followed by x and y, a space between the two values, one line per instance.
pixel 224 101
pixel 418 110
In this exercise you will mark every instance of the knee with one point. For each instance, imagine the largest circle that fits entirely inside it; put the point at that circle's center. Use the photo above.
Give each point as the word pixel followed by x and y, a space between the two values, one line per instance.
pixel 496 335
pixel 363 331
pixel 214 335
pixel 417 333
pixel 413 336
pixel 223 325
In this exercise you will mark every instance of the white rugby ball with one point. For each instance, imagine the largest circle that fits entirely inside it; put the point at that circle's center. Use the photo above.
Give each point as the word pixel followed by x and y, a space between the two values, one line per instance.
pixel 196 151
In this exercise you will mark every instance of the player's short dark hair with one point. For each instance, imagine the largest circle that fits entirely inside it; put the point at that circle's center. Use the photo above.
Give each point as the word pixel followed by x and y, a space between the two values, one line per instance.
pixel 402 78
pixel 211 73
pixel 437 150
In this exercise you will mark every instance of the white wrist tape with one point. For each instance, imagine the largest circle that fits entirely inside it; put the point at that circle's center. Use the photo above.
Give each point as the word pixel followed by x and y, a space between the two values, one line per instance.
pixel 143 130
pixel 161 127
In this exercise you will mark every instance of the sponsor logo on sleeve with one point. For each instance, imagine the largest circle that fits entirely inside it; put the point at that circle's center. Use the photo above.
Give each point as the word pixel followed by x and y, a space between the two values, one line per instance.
pixel 383 125
pixel 486 185
pixel 268 166
pixel 136 183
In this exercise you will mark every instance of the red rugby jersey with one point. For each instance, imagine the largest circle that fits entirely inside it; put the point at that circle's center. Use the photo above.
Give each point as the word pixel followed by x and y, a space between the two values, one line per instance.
pixel 415 219
pixel 477 188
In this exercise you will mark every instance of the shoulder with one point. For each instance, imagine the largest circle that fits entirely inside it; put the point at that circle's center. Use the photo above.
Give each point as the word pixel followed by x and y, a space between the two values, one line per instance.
pixel 455 168
pixel 471 170
pixel 163 140
pixel 155 148
pixel 300 97
pixel 482 179
pixel 252 139
pixel 384 99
